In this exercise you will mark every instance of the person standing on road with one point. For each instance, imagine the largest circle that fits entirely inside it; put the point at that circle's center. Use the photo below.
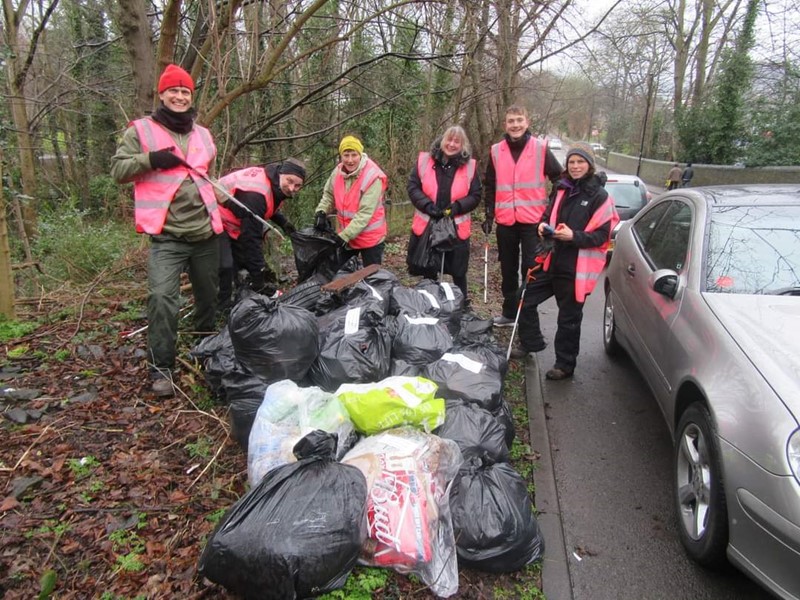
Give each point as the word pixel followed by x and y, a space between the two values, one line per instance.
pixel 515 195
pixel 262 190
pixel 579 220
pixel 674 177
pixel 355 190
pixel 443 185
pixel 686 176
pixel 178 209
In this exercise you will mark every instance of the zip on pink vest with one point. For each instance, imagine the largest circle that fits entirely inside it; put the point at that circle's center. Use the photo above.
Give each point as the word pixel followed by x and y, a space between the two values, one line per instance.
pixel 154 190
pixel 520 192
pixel 347 201
pixel 252 179
pixel 460 189
pixel 591 261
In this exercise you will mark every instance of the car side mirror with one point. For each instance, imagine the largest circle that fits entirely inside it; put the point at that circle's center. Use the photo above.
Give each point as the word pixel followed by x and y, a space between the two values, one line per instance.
pixel 665 282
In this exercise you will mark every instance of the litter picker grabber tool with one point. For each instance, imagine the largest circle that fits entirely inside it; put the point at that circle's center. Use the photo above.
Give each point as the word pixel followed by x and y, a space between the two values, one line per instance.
pixel 528 278
pixel 485 268
pixel 216 185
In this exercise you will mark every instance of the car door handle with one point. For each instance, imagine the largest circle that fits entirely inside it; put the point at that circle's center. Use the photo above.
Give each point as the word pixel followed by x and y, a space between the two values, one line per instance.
pixel 631 269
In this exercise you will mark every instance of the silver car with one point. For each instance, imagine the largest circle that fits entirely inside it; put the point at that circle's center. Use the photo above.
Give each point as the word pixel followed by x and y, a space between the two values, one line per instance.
pixel 703 294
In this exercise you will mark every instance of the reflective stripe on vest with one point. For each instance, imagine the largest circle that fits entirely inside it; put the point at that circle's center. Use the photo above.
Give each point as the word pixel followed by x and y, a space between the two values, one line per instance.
pixel 462 180
pixel 591 261
pixel 520 192
pixel 154 190
pixel 347 202
pixel 253 179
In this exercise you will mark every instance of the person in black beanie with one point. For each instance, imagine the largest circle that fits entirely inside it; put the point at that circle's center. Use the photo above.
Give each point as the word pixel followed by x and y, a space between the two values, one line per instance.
pixel 262 190
pixel 579 220
pixel 166 156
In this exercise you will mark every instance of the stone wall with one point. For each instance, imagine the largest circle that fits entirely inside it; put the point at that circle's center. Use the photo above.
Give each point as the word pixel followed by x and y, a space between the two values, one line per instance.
pixel 654 172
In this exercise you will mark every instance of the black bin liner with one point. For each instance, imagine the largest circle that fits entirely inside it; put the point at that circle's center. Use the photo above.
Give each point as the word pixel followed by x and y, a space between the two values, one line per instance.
pixel 298 533
pixel 316 252
pixel 450 300
pixel 379 285
pixel 465 375
pixel 414 302
pixel 273 340
pixel 490 353
pixel 506 420
pixel 218 357
pixel 402 368
pixel 355 347
pixel 493 521
pixel 474 330
pixel 245 393
pixel 476 431
pixel 420 340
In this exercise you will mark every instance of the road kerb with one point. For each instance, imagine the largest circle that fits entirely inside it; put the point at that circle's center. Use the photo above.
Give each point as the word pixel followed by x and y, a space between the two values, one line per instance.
pixel 555 570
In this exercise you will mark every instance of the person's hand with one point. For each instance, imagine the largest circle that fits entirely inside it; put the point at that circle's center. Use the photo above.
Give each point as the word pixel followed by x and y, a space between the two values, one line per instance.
pixel 343 243
pixel 289 228
pixel 486 226
pixel 321 221
pixel 164 159
pixel 563 233
pixel 433 211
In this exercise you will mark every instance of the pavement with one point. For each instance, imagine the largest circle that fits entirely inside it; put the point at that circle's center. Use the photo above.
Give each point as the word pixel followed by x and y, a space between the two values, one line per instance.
pixel 556 583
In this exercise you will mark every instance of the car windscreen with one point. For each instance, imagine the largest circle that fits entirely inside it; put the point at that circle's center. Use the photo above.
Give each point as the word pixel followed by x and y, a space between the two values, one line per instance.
pixel 626 195
pixel 754 250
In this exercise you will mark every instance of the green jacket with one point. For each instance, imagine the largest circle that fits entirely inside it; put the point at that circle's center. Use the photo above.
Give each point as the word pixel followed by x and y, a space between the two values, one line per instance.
pixel 370 200
pixel 187 218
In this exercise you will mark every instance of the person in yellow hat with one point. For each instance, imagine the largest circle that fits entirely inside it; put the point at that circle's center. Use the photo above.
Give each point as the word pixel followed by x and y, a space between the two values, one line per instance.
pixel 355 191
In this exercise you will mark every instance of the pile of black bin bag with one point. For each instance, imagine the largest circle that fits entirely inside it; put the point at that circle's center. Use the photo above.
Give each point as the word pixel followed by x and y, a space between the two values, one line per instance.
pixel 369 331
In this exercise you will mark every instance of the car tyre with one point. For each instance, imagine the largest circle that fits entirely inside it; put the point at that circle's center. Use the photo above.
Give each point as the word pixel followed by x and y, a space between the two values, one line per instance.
pixel 304 295
pixel 610 343
pixel 699 490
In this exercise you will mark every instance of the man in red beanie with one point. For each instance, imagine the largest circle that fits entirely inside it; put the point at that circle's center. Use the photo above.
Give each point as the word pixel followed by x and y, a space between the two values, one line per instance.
pixel 164 156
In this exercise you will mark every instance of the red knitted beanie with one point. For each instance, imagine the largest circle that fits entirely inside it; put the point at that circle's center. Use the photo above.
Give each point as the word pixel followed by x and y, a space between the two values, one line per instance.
pixel 174 76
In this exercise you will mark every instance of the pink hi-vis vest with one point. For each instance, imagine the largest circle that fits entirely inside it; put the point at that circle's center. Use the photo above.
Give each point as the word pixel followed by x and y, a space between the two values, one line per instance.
pixel 253 179
pixel 591 261
pixel 347 202
pixel 154 190
pixel 520 193
pixel 460 189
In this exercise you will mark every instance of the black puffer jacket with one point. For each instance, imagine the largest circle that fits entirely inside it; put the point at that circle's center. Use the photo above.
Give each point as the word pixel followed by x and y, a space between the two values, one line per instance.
pixel 581 199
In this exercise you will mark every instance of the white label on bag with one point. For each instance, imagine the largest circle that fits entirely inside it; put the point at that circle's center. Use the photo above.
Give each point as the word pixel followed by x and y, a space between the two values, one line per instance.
pixel 351 320
pixel 431 298
pixel 463 361
pixel 448 291
pixel 375 293
pixel 421 320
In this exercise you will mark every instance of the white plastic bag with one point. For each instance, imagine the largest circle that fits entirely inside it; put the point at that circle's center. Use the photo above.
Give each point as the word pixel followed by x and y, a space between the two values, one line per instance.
pixel 286 414
pixel 409 473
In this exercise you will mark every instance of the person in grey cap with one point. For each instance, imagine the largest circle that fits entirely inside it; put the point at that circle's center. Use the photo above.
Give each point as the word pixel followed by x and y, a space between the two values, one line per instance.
pixel 262 190
pixel 579 221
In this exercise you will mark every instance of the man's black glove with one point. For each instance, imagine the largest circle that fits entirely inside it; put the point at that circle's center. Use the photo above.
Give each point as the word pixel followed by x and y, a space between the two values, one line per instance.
pixel 288 228
pixel 486 226
pixel 455 209
pixel 344 244
pixel 433 211
pixel 321 221
pixel 164 159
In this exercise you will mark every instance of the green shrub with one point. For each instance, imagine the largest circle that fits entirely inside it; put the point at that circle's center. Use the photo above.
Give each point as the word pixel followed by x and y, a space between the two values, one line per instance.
pixel 73 247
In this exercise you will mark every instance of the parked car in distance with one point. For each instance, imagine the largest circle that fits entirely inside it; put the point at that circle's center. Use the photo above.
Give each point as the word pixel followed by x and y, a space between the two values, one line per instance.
pixel 555 143
pixel 703 294
pixel 630 195
pixel 598 147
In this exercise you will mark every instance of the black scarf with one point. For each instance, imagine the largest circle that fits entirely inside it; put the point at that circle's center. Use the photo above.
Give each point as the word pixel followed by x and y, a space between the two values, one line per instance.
pixel 174 121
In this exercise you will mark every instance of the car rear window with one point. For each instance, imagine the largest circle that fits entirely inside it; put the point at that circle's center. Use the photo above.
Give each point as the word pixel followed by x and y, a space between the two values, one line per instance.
pixel 753 249
pixel 626 195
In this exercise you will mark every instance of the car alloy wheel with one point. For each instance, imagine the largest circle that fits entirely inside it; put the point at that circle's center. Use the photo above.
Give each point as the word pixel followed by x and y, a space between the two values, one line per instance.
pixel 610 342
pixel 699 491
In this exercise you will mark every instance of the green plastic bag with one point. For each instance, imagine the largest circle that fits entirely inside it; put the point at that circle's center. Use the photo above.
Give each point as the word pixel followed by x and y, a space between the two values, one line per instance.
pixel 392 402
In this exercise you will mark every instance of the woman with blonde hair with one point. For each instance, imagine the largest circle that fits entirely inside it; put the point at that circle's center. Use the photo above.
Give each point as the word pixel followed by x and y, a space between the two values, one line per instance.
pixel 444 185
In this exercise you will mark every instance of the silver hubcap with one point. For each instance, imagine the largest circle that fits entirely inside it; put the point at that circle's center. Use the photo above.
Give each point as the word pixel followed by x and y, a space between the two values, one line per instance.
pixel 694 481
pixel 608 320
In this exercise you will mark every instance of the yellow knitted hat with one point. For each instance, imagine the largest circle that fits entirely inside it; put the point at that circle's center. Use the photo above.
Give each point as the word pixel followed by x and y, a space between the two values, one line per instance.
pixel 350 142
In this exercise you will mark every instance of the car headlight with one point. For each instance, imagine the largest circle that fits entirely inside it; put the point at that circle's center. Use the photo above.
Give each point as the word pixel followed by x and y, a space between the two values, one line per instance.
pixel 793 453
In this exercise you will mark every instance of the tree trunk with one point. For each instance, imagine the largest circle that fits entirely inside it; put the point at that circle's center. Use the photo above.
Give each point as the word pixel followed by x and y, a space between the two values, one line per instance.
pixel 6 274
pixel 131 19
